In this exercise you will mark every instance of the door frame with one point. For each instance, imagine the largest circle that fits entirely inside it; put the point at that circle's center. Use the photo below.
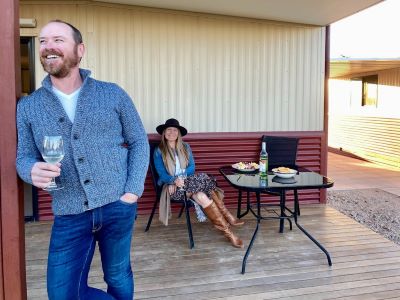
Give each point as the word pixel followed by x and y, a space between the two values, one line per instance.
pixel 30 42
pixel 12 232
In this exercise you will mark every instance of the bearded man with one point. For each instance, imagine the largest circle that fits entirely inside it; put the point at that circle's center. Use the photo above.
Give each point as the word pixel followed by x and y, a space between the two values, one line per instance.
pixel 105 162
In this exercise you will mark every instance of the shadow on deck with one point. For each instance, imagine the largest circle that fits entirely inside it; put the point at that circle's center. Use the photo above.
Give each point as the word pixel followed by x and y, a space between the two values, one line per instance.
pixel 284 266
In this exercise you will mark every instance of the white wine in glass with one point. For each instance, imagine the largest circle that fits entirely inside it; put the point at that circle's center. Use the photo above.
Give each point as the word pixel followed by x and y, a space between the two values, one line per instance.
pixel 182 175
pixel 53 152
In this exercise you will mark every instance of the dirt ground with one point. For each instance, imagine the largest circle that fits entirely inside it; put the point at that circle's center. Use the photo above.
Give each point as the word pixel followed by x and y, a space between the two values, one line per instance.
pixel 374 208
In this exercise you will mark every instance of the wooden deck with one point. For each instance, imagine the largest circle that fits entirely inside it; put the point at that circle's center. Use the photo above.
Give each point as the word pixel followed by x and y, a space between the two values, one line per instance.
pixel 284 266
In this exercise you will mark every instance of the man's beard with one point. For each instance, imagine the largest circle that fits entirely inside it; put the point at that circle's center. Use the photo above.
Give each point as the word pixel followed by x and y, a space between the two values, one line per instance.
pixel 63 69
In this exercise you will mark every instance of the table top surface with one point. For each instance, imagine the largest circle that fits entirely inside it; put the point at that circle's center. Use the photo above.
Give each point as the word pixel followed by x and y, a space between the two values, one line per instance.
pixel 304 179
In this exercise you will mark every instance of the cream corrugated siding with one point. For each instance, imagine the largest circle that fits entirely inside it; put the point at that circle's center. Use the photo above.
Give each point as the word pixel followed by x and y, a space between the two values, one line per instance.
pixel 345 95
pixel 214 73
pixel 372 133
pixel 375 139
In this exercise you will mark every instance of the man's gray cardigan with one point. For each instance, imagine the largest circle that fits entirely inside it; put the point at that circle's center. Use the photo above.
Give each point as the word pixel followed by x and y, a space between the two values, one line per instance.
pixel 106 148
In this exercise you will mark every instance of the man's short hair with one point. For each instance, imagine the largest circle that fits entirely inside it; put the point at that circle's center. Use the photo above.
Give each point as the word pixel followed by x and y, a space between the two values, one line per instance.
pixel 75 31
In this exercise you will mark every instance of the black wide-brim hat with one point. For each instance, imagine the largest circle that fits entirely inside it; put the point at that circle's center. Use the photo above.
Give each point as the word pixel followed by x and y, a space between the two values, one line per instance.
pixel 171 123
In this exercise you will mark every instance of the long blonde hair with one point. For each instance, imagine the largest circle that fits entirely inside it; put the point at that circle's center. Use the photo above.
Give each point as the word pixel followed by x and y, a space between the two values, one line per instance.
pixel 168 154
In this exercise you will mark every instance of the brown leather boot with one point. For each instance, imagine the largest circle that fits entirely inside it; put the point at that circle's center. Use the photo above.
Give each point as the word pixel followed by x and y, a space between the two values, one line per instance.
pixel 225 212
pixel 221 224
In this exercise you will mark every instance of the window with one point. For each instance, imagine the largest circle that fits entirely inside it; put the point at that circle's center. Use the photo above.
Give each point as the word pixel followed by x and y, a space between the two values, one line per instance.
pixel 369 90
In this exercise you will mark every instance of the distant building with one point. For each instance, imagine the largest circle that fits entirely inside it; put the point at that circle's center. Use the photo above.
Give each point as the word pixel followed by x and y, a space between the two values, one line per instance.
pixel 364 109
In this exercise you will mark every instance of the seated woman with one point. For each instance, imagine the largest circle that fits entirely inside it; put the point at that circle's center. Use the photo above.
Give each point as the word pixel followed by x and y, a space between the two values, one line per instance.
pixel 170 158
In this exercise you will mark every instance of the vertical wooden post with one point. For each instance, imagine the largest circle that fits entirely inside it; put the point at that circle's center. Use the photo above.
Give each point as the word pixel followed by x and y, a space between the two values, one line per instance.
pixel 324 150
pixel 12 262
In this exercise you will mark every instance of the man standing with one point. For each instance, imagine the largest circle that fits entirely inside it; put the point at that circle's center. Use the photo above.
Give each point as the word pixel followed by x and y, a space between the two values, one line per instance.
pixel 102 172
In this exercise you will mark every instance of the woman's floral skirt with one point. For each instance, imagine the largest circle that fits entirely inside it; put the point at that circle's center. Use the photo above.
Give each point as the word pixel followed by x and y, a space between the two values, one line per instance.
pixel 198 182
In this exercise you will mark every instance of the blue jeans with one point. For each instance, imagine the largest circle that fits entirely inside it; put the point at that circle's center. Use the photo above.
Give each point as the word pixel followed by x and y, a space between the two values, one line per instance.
pixel 72 244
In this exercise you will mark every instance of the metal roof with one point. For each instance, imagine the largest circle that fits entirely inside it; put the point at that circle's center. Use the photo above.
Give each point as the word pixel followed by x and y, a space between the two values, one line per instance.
pixel 347 67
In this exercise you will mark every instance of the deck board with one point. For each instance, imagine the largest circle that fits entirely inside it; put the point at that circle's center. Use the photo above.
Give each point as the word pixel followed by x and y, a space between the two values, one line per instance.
pixel 285 266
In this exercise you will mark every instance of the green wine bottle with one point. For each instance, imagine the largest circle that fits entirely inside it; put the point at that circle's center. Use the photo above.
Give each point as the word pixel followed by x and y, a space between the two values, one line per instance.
pixel 263 161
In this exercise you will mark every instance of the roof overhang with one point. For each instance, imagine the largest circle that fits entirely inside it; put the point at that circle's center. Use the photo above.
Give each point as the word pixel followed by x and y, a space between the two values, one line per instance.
pixel 312 12
pixel 346 67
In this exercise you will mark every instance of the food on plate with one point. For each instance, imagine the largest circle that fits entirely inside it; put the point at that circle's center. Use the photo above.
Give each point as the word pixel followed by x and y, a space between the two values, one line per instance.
pixel 283 170
pixel 246 166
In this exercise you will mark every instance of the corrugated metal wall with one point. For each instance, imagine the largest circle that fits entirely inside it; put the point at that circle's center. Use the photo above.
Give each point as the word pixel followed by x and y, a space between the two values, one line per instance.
pixel 372 133
pixel 214 73
pixel 345 95
pixel 375 139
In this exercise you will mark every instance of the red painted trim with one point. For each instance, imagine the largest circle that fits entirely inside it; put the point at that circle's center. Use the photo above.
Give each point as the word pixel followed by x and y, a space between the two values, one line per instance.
pixel 13 281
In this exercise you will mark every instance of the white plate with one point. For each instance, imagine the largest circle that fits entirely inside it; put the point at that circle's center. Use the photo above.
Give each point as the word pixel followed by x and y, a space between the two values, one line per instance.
pixel 285 175
pixel 244 170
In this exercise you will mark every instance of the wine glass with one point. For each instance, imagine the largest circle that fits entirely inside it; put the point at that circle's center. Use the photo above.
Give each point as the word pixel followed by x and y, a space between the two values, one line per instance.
pixel 182 175
pixel 53 152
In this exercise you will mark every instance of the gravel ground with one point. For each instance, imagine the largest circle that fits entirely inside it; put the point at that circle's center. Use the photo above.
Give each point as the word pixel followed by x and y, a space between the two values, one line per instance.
pixel 374 208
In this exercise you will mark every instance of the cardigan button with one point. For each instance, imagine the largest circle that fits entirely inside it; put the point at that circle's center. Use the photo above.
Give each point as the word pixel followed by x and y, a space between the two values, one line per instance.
pixel 81 159
pixel 62 119
pixel 87 181
pixel 76 136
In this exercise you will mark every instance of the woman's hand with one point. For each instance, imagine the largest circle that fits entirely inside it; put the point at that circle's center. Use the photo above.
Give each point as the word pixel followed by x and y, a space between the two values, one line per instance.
pixel 171 189
pixel 179 182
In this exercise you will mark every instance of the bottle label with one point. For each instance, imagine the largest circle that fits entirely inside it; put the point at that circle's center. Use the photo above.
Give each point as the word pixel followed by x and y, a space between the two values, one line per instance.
pixel 263 166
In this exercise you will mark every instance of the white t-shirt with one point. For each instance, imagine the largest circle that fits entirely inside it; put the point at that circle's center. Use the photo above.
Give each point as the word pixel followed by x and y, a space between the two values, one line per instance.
pixel 68 102
pixel 177 166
